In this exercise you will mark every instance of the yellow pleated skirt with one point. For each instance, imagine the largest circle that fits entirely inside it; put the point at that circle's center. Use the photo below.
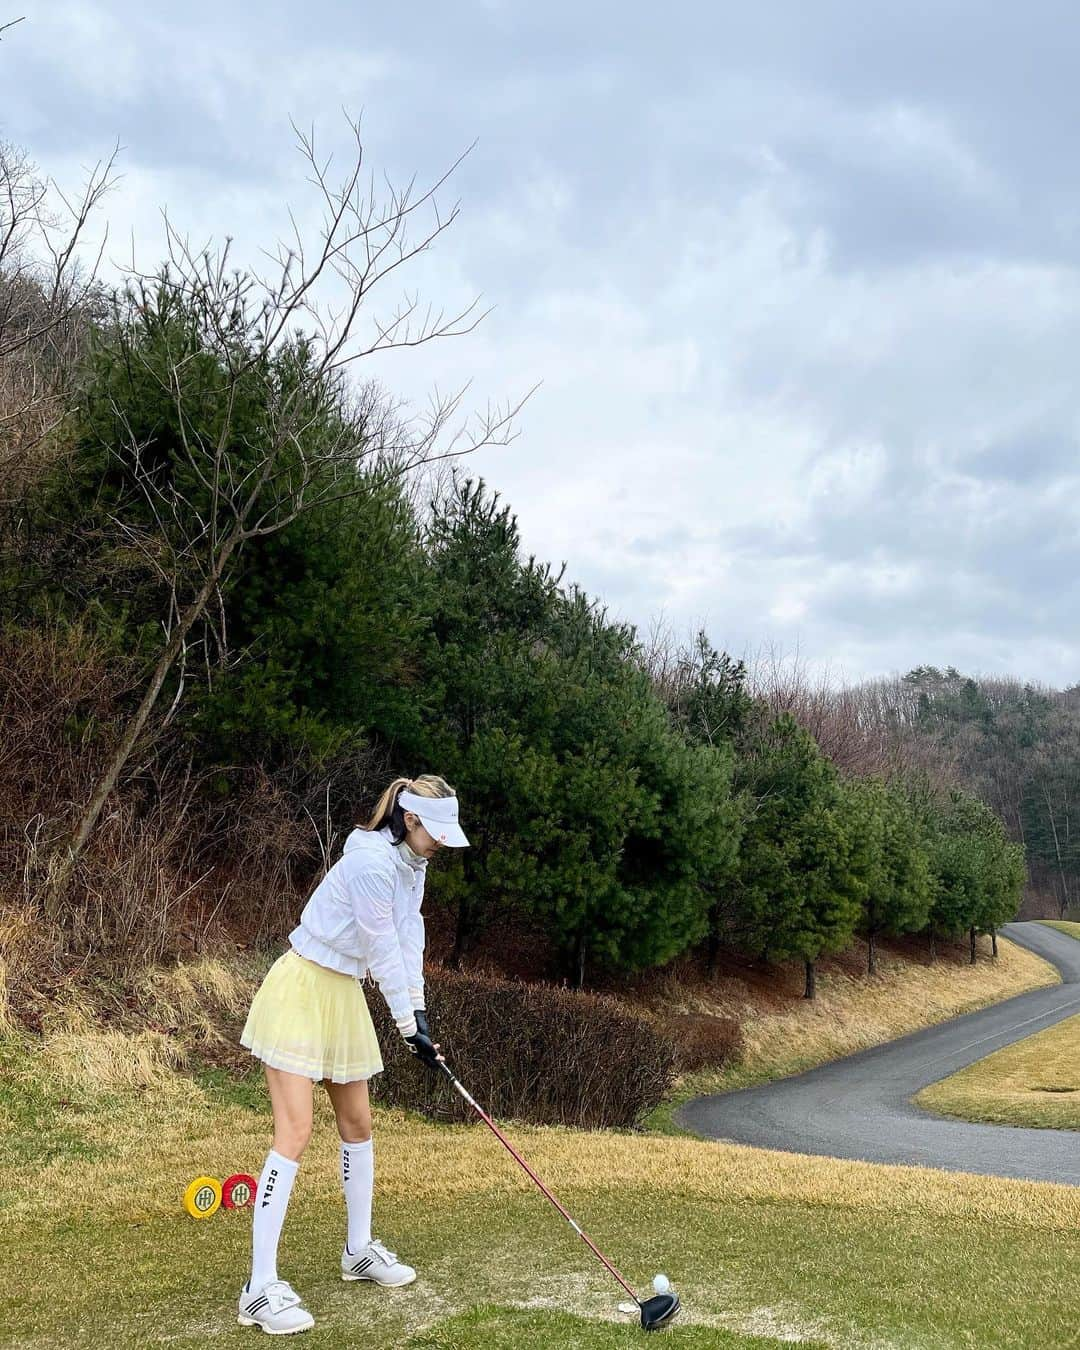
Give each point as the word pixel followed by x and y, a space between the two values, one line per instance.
pixel 312 1021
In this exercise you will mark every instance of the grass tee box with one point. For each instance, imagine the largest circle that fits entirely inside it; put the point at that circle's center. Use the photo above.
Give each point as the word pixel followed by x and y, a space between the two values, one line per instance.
pixel 763 1247
pixel 535 1329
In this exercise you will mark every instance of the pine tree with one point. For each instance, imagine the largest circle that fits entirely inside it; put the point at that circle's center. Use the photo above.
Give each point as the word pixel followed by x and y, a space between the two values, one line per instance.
pixel 797 882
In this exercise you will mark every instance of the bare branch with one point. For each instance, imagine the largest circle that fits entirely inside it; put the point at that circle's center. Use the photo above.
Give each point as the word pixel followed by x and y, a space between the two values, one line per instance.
pixel 253 367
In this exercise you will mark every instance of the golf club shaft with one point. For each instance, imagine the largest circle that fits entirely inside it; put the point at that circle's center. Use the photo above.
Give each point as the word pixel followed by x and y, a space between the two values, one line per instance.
pixel 518 1158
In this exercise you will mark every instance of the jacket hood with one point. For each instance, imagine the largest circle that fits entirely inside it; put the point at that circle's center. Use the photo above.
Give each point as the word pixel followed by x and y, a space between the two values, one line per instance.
pixel 370 839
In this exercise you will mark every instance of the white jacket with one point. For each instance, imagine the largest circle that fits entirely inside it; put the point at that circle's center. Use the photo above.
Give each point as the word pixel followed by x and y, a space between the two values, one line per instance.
pixel 365 915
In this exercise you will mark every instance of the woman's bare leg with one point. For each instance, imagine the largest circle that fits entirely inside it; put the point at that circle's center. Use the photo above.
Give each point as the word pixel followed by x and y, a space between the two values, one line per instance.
pixel 352 1109
pixel 291 1096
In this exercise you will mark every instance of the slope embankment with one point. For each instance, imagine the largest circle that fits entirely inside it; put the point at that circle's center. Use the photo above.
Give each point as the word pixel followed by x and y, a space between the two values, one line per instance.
pixel 784 1034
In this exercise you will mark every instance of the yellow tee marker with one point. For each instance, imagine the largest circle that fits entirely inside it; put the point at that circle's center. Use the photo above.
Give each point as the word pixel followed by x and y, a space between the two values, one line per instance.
pixel 202 1197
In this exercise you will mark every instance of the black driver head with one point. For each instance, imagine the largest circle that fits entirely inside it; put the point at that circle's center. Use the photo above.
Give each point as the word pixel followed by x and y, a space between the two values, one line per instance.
pixel 657 1312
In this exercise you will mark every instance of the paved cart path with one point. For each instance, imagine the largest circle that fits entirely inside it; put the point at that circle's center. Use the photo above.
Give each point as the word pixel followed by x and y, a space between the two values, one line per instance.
pixel 860 1107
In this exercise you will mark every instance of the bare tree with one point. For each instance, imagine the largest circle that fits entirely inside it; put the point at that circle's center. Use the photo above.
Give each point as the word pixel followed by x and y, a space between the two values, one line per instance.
pixel 297 329
pixel 48 278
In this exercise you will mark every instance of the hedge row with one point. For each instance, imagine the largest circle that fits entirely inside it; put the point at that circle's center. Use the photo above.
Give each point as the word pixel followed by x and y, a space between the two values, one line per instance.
pixel 531 1052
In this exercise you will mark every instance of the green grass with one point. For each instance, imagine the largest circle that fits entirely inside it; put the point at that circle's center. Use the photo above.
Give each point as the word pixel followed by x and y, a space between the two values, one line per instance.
pixel 525 1329
pixel 228 1089
pixel 38 1126
pixel 841 1278
pixel 762 1247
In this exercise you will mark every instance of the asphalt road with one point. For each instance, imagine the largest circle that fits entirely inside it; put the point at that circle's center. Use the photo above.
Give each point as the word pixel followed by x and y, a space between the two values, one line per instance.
pixel 860 1107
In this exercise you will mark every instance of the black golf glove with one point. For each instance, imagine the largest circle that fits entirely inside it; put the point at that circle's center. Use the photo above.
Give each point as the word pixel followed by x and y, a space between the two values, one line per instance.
pixel 424 1048
pixel 421 1022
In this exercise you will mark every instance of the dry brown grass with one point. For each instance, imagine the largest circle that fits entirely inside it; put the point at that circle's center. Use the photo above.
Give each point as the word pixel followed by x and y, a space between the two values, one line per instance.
pixel 190 998
pixel 79 1053
pixel 1035 1082
pixel 17 931
pixel 1065 926
pixel 167 1129
pixel 100 1030
pixel 703 1041
pixel 172 1015
pixel 158 1138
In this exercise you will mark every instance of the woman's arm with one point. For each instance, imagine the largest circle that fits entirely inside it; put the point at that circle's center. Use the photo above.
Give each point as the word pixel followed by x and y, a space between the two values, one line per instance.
pixel 371 893
pixel 411 937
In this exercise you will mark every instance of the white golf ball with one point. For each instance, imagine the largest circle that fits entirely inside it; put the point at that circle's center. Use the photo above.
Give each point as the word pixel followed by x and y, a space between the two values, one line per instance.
pixel 661 1284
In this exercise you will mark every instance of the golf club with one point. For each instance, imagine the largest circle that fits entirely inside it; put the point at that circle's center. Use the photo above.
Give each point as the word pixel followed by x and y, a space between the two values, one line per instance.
pixel 657 1311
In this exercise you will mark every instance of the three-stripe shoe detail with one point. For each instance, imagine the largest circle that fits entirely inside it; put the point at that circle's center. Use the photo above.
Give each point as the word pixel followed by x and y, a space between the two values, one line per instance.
pixel 276 1308
pixel 377 1263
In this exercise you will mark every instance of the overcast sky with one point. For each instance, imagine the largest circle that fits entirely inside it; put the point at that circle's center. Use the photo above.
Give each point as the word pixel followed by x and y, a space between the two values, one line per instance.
pixel 801 278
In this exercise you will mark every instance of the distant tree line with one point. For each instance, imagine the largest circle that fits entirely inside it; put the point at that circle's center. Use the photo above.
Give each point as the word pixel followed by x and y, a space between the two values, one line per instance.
pixel 1013 744
pixel 1017 746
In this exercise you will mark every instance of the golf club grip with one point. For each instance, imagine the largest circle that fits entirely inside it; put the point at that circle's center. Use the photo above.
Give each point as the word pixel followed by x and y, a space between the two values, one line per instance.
pixel 521 1161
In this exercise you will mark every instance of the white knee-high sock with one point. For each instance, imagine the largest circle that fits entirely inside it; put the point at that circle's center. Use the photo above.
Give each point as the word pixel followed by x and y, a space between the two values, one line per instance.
pixel 271 1201
pixel 358 1182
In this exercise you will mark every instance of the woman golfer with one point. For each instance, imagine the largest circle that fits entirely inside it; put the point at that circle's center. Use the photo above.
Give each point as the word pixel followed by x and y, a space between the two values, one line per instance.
pixel 309 1023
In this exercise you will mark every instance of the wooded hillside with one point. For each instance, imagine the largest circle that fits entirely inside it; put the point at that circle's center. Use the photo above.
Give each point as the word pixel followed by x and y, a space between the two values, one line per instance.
pixel 240 589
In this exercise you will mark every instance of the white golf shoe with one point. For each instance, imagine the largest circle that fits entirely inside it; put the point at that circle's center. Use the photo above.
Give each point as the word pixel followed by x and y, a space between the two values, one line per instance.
pixel 276 1308
pixel 375 1263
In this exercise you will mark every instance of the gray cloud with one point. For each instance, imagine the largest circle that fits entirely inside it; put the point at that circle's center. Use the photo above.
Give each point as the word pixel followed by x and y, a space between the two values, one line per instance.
pixel 802 282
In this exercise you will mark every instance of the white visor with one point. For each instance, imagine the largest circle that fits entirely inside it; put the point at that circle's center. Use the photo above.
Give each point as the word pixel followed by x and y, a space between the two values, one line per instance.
pixel 438 815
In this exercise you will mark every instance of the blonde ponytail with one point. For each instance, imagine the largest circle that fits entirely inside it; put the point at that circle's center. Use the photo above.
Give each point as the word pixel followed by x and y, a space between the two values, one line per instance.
pixel 388 812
